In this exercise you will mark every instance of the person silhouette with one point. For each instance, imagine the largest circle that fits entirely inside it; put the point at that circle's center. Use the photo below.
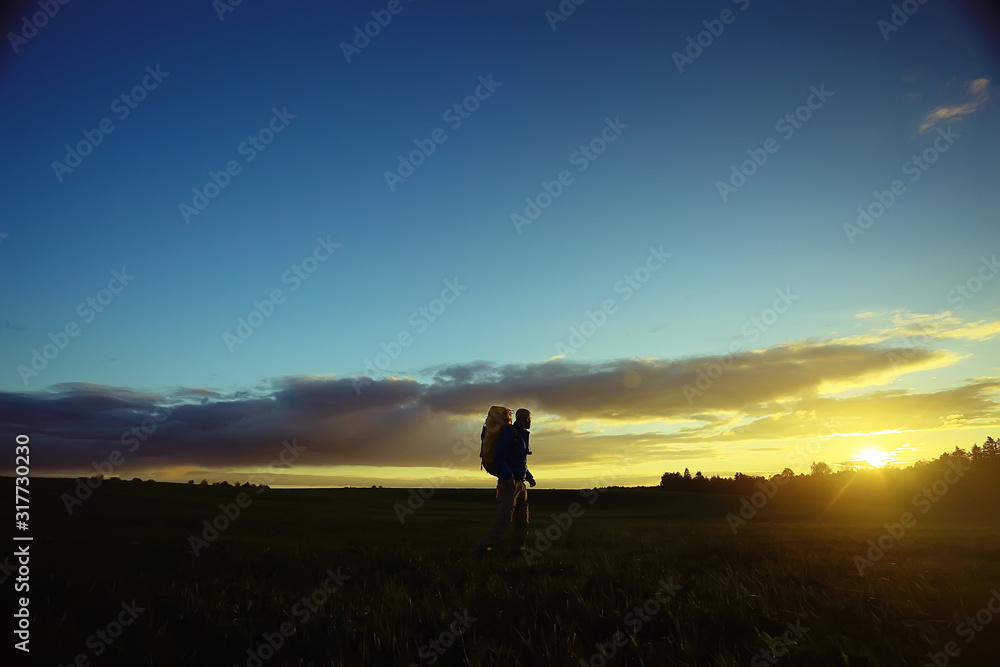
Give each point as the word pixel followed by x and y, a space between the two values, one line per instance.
pixel 512 451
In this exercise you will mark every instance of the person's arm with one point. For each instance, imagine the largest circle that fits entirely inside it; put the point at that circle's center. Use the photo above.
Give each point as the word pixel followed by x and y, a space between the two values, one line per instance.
pixel 502 452
pixel 527 473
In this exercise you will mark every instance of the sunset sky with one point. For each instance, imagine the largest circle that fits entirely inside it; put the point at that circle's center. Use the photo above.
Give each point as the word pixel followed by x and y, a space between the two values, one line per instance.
pixel 742 251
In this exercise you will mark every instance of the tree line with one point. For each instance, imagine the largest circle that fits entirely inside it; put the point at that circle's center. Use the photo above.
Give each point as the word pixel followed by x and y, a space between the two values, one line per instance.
pixel 980 465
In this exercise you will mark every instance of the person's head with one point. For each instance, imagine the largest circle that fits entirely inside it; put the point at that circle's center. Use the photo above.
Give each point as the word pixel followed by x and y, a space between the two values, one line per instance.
pixel 523 418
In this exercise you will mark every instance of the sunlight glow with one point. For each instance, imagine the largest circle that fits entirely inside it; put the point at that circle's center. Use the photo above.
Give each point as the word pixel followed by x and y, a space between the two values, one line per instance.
pixel 875 457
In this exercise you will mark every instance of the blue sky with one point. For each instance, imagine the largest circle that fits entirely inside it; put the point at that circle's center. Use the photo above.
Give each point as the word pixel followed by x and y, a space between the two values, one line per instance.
pixel 656 185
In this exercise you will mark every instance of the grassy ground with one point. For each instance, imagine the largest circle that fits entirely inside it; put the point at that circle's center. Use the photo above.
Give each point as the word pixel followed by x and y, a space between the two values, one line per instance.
pixel 730 600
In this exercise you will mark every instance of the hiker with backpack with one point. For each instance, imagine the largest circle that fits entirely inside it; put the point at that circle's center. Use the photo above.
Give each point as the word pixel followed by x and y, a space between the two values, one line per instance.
pixel 505 451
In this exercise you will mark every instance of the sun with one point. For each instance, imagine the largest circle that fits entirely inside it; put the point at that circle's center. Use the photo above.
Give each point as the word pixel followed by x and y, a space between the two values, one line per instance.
pixel 875 457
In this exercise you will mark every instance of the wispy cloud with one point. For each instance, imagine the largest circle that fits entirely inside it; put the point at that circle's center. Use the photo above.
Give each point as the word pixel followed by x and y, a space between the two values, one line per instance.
pixel 885 412
pixel 978 90
pixel 920 328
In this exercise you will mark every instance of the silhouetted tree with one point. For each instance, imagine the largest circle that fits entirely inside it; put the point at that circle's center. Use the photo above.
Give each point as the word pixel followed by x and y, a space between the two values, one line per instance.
pixel 671 480
pixel 820 468
pixel 991 448
pixel 687 474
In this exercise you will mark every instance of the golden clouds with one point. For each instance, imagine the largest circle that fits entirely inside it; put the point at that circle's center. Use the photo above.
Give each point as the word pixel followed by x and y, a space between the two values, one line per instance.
pixel 659 409
pixel 978 90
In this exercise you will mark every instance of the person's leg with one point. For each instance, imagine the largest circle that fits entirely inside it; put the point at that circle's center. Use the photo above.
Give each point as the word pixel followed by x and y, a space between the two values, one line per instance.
pixel 520 515
pixel 505 510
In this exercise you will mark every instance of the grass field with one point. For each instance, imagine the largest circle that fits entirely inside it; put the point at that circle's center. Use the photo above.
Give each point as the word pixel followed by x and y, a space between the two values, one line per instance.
pixel 656 577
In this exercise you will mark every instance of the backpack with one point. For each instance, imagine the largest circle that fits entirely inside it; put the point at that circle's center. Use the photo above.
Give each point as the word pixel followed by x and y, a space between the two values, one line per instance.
pixel 497 420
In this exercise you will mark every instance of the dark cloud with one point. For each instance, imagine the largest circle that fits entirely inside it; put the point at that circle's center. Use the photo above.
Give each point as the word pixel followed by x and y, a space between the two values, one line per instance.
pixel 639 389
pixel 405 422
